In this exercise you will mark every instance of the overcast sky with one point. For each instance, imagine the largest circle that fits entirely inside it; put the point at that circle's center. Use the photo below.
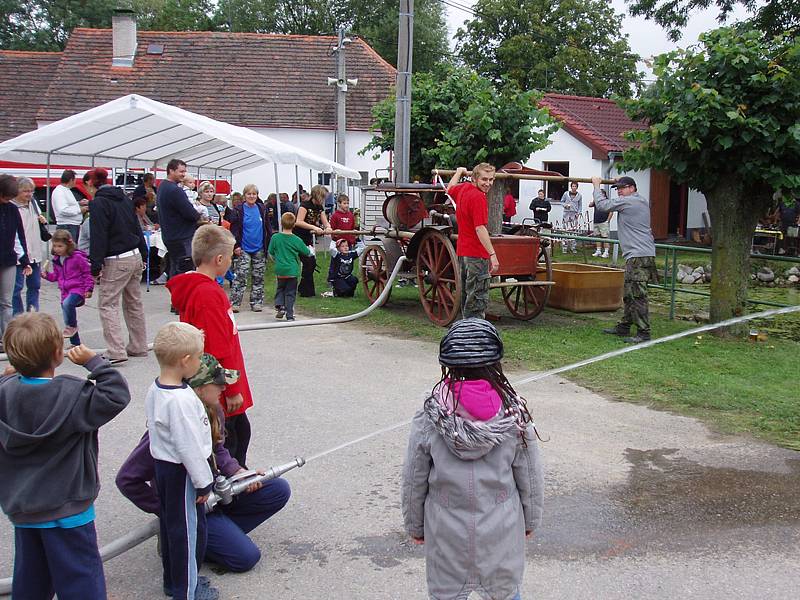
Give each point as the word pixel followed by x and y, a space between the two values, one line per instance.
pixel 645 37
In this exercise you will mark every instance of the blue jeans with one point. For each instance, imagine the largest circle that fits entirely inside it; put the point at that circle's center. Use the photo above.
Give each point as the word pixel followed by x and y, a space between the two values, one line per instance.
pixel 68 309
pixel 32 283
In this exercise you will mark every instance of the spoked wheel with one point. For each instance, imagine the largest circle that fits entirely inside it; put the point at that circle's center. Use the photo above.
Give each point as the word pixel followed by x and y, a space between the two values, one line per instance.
pixel 374 273
pixel 439 279
pixel 527 301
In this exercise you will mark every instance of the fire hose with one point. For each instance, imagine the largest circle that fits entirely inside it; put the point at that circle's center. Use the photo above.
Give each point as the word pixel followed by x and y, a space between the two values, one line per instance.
pixel 223 492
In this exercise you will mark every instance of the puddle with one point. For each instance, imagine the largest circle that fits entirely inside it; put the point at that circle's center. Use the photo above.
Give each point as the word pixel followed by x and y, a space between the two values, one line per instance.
pixel 669 503
pixel 388 550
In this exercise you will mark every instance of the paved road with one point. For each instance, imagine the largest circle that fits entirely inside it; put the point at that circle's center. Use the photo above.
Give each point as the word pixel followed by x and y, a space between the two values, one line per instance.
pixel 639 504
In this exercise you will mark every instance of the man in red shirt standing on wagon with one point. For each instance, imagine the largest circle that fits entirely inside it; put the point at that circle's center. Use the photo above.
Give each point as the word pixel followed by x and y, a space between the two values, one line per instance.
pixel 476 256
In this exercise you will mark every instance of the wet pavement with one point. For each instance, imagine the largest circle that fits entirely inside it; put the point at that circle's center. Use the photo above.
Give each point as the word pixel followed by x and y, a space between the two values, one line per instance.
pixel 638 503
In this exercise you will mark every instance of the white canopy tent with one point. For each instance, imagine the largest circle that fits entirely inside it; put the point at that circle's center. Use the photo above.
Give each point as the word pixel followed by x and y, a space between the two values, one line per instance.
pixel 136 132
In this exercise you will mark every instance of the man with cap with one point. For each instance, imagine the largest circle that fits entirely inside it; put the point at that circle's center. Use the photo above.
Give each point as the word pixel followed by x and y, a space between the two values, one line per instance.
pixel 639 250
pixel 228 525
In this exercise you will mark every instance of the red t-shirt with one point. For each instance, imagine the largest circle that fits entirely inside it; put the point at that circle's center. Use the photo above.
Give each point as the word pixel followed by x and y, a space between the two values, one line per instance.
pixel 509 206
pixel 472 210
pixel 343 221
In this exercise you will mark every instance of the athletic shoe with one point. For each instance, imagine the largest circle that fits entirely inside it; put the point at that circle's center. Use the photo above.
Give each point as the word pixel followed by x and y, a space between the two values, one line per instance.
pixel 605 254
pixel 328 294
pixel 69 331
pixel 256 307
pixel 597 253
pixel 290 318
pixel 280 313
pixel 137 354
pixel 162 279
pixel 235 308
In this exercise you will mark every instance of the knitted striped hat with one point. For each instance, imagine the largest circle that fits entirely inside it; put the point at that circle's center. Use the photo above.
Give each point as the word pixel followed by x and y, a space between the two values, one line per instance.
pixel 471 342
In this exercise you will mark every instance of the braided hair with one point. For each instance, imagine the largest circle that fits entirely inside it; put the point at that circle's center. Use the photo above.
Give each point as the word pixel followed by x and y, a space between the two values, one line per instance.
pixel 513 403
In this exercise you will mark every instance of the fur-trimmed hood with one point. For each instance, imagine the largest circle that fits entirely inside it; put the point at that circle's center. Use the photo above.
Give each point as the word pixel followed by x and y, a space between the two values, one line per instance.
pixel 467 439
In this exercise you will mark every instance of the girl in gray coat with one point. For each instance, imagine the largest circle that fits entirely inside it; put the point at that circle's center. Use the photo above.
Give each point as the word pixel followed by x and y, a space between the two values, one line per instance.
pixel 472 480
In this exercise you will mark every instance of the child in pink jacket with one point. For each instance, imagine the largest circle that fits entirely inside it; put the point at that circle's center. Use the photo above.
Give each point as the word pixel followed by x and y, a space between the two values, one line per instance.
pixel 72 271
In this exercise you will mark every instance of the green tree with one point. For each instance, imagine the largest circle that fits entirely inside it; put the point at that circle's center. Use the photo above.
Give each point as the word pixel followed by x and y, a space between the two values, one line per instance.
pixel 459 118
pixel 725 119
pixel 772 17
pixel 176 15
pixel 46 24
pixel 309 17
pixel 570 46
pixel 377 22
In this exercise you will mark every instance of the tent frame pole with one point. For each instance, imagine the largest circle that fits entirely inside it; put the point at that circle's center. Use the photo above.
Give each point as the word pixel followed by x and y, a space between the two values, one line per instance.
pixel 47 189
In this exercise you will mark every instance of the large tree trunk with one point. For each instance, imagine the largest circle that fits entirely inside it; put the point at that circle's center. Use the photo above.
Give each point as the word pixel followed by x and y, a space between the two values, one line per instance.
pixel 733 221
pixel 495 197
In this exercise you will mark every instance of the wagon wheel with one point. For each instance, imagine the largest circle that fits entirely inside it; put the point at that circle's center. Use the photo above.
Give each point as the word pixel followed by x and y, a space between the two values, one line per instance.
pixel 527 301
pixel 439 279
pixel 374 273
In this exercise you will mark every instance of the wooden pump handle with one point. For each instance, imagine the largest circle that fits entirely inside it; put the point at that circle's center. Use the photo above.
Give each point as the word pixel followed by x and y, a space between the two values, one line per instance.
pixel 523 176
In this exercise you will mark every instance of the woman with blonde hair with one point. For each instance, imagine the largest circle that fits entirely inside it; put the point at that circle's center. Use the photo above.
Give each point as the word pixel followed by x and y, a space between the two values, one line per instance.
pixel 310 216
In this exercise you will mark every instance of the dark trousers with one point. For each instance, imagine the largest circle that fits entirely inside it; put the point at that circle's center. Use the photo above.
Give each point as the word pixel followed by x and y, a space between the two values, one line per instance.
pixel 180 256
pixel 55 560
pixel 228 526
pixel 306 287
pixel 237 437
pixel 285 294
pixel 345 287
pixel 183 529
pixel 74 231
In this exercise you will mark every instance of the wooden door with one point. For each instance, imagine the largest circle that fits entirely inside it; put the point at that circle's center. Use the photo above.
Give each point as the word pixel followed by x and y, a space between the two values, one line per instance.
pixel 659 203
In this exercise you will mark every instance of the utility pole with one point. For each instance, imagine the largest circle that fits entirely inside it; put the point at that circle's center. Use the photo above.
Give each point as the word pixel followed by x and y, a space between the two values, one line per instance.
pixel 402 120
pixel 341 83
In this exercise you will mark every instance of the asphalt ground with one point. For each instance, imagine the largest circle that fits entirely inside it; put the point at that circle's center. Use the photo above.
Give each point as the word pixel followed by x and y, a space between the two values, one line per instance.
pixel 638 503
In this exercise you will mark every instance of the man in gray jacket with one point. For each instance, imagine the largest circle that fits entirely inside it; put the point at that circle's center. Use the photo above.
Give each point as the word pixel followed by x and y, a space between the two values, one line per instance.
pixel 639 250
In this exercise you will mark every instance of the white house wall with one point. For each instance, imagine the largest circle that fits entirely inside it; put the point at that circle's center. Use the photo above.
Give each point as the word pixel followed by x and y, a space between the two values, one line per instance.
pixel 319 142
pixel 567 148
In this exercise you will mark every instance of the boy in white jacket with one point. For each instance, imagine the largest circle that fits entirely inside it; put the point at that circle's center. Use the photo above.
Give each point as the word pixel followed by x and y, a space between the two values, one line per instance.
pixel 180 443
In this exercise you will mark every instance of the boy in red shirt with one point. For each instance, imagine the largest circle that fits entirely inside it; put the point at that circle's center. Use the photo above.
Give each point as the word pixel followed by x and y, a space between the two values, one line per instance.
pixel 476 256
pixel 201 302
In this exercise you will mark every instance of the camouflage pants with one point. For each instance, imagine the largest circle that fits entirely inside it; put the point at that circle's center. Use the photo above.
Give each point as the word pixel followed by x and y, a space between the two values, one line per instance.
pixel 475 279
pixel 639 270
pixel 242 266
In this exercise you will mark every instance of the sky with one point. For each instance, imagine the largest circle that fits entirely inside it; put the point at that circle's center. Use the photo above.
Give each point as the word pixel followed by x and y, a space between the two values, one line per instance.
pixel 645 37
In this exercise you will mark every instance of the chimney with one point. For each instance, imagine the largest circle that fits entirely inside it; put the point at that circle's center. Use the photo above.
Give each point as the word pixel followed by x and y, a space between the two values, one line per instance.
pixel 123 34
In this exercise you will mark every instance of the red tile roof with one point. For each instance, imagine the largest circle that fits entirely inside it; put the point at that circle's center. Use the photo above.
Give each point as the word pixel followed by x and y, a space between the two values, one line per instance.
pixel 248 79
pixel 597 122
pixel 24 77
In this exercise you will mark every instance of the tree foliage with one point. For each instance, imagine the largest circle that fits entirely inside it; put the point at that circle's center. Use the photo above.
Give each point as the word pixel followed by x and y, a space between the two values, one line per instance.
pixel 461 118
pixel 46 24
pixel 725 118
pixel 570 46
pixel 772 17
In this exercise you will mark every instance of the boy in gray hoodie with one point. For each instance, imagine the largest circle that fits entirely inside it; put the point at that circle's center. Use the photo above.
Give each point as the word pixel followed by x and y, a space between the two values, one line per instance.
pixel 48 459
pixel 472 481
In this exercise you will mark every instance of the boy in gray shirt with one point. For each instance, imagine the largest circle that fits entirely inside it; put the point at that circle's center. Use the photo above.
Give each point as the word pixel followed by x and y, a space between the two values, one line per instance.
pixel 639 250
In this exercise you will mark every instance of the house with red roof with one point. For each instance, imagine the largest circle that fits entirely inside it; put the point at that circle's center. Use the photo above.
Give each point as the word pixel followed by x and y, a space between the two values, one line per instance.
pixel 590 143
pixel 274 84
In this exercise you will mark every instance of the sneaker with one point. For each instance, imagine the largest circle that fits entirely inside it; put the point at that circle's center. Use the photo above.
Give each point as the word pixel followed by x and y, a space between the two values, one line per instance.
pixel 618 330
pixel 256 307
pixel 327 294
pixel 290 318
pixel 202 583
pixel 235 308
pixel 69 331
pixel 137 354
pixel 641 336
pixel 161 280
pixel 605 254
pixel 574 250
pixel 597 253
pixel 280 313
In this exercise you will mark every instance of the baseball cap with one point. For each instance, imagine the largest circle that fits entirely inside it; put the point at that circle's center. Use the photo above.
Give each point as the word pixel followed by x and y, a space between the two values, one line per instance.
pixel 211 371
pixel 624 181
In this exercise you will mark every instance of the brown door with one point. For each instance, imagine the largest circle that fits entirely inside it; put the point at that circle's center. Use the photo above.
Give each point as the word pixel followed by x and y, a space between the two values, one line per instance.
pixel 659 204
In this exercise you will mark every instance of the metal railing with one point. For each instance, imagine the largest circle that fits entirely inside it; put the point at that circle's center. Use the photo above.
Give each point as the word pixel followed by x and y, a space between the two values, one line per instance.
pixel 671 267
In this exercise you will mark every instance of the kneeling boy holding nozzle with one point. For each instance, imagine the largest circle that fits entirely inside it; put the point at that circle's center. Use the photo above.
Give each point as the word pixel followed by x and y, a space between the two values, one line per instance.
pixel 228 525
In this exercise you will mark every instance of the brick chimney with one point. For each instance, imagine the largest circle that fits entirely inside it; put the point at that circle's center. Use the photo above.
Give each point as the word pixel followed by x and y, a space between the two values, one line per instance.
pixel 123 34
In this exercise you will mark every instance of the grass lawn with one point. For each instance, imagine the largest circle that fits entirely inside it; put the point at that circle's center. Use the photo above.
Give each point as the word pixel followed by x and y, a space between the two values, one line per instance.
pixel 734 385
